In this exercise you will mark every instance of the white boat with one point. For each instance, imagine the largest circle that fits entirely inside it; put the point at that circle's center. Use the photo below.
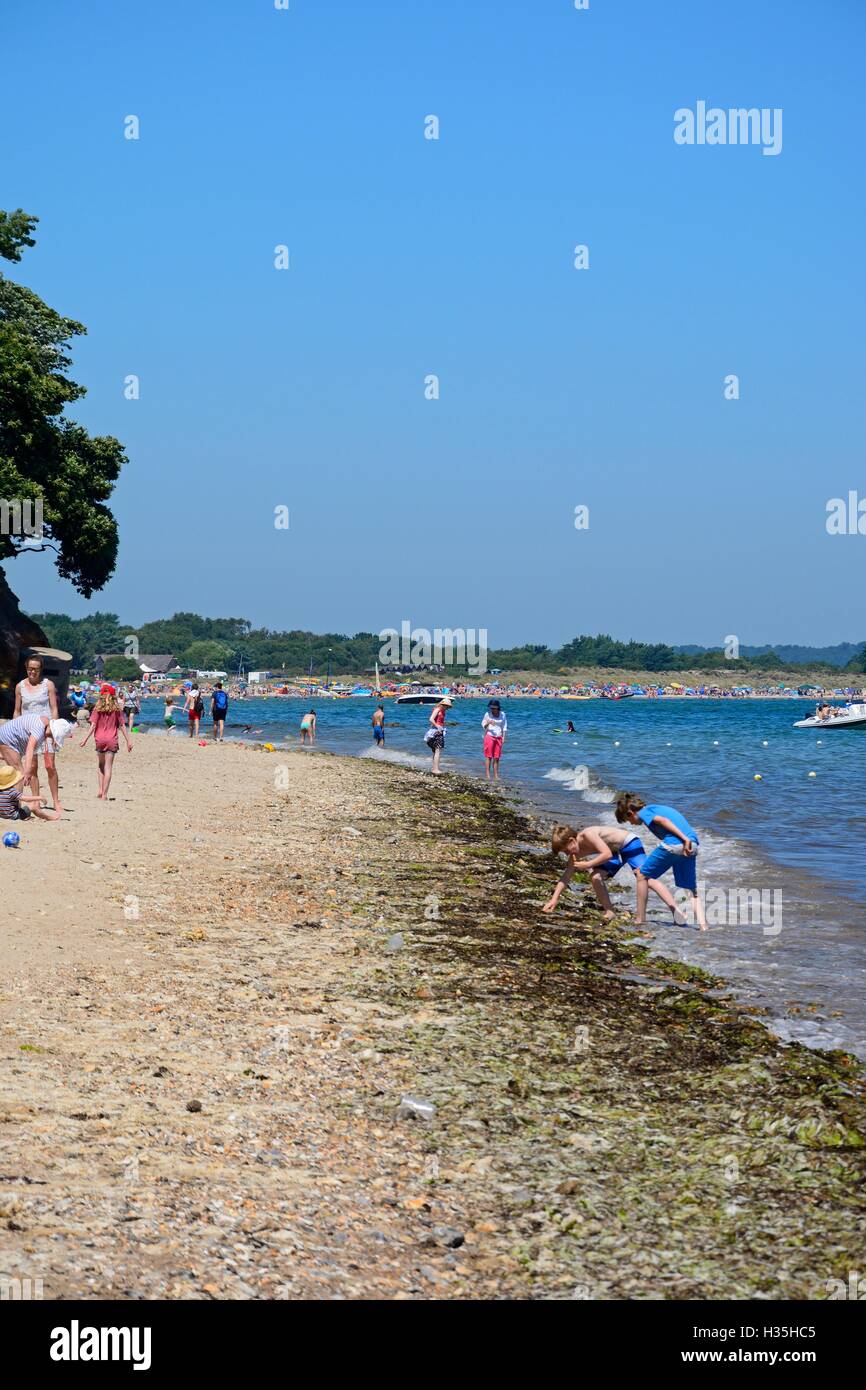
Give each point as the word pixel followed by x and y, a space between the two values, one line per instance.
pixel 845 717
pixel 422 697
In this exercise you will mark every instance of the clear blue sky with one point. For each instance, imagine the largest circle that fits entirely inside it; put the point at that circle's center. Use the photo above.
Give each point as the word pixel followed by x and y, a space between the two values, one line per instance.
pixel 409 257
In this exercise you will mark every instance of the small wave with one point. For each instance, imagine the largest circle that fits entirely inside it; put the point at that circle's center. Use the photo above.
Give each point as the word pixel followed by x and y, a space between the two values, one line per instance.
pixel 386 755
pixel 582 779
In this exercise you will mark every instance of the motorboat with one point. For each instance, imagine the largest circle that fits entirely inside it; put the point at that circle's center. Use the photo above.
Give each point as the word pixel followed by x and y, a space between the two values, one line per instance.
pixel 422 697
pixel 841 717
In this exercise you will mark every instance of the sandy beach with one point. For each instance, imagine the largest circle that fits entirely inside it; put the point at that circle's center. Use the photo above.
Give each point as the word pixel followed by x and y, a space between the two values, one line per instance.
pixel 220 988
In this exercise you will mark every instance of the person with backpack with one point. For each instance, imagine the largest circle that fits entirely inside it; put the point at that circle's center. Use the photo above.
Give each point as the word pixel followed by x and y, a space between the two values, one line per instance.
pixel 219 708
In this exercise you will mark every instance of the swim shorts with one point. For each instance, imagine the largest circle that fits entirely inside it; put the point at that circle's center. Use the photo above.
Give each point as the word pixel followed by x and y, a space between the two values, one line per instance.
pixel 632 854
pixel 492 746
pixel 378 733
pixel 685 867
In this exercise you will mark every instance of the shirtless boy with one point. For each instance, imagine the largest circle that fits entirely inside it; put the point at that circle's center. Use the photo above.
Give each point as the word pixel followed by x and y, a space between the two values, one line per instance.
pixel 601 851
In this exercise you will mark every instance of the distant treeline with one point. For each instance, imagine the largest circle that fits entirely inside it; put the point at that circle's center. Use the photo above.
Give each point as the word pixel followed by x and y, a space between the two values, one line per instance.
pixel 222 643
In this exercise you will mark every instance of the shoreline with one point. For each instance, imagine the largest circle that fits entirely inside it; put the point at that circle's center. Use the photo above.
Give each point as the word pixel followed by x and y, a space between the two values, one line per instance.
pixel 607 1125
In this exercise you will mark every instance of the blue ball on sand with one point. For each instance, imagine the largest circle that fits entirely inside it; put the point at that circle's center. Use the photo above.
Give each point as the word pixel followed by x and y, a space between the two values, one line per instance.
pixel 11 839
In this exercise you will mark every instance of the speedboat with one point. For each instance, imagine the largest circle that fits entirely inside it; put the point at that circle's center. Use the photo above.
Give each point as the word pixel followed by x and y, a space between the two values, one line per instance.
pixel 422 697
pixel 845 717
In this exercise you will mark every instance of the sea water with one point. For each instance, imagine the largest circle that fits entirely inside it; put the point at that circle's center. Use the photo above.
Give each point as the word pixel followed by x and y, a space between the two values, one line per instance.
pixel 781 855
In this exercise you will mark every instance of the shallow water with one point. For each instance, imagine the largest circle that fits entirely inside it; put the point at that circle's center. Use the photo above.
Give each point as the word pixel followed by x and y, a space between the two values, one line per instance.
pixel 779 858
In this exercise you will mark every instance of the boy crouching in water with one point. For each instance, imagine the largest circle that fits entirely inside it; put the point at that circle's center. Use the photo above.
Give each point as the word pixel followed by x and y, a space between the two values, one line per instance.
pixel 677 851
pixel 606 849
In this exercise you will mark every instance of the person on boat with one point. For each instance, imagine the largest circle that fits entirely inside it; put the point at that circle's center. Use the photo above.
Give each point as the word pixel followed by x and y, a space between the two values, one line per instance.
pixel 378 722
pixel 36 695
pixel 495 726
pixel 308 727
pixel 435 735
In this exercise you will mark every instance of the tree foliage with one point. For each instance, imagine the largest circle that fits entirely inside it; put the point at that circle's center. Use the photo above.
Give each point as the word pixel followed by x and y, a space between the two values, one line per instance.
pixel 47 459
pixel 220 643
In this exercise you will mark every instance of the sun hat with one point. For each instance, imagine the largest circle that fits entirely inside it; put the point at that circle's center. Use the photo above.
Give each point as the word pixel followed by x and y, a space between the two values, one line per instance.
pixel 106 690
pixel 446 700
pixel 9 777
pixel 60 729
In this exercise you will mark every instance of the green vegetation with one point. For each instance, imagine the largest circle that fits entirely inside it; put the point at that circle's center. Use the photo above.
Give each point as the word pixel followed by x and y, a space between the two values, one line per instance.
pixel 219 643
pixel 46 460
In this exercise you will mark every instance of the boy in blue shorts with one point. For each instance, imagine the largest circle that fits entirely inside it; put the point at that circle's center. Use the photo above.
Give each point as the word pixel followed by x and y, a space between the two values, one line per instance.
pixel 607 849
pixel 677 851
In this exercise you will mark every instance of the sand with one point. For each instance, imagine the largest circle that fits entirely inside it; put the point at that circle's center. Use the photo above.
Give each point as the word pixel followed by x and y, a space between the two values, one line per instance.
pixel 221 987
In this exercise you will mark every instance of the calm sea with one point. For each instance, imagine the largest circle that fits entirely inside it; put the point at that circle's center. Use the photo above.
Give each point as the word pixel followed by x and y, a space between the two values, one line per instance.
pixel 779 858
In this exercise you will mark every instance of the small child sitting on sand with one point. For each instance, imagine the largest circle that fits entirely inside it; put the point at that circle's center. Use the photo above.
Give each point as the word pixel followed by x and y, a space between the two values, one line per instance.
pixel 16 804
pixel 607 849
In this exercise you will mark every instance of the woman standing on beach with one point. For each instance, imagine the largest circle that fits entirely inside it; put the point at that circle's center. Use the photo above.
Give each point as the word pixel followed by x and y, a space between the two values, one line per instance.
pixel 131 707
pixel 34 695
pixel 194 709
pixel 435 735
pixel 495 726
pixel 106 721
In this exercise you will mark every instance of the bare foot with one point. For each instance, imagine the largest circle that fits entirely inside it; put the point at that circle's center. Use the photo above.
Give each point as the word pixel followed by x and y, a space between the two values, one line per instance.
pixel 608 916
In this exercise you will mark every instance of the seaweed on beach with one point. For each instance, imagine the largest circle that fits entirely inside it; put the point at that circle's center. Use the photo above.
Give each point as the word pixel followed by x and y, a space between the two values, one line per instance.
pixel 345 1054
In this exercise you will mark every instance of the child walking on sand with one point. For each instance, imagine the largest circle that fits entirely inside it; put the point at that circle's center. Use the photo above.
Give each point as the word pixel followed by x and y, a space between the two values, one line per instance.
pixel 606 850
pixel 677 851
pixel 106 721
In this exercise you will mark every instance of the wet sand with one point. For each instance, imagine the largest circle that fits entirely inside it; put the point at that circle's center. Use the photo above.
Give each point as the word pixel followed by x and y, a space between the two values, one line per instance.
pixel 219 987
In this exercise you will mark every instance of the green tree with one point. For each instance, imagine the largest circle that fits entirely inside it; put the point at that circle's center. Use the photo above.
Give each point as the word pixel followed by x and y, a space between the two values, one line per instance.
pixel 121 668
pixel 207 656
pixel 45 459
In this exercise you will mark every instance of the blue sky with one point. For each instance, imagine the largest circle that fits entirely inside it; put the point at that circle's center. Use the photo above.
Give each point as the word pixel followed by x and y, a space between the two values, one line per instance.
pixel 604 387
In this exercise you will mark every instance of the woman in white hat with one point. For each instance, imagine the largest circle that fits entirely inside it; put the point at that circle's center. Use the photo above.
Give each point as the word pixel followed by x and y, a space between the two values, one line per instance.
pixel 435 735
pixel 23 738
pixel 38 695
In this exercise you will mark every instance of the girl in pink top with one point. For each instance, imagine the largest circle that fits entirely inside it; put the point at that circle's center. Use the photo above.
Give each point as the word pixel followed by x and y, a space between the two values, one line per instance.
pixel 106 721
